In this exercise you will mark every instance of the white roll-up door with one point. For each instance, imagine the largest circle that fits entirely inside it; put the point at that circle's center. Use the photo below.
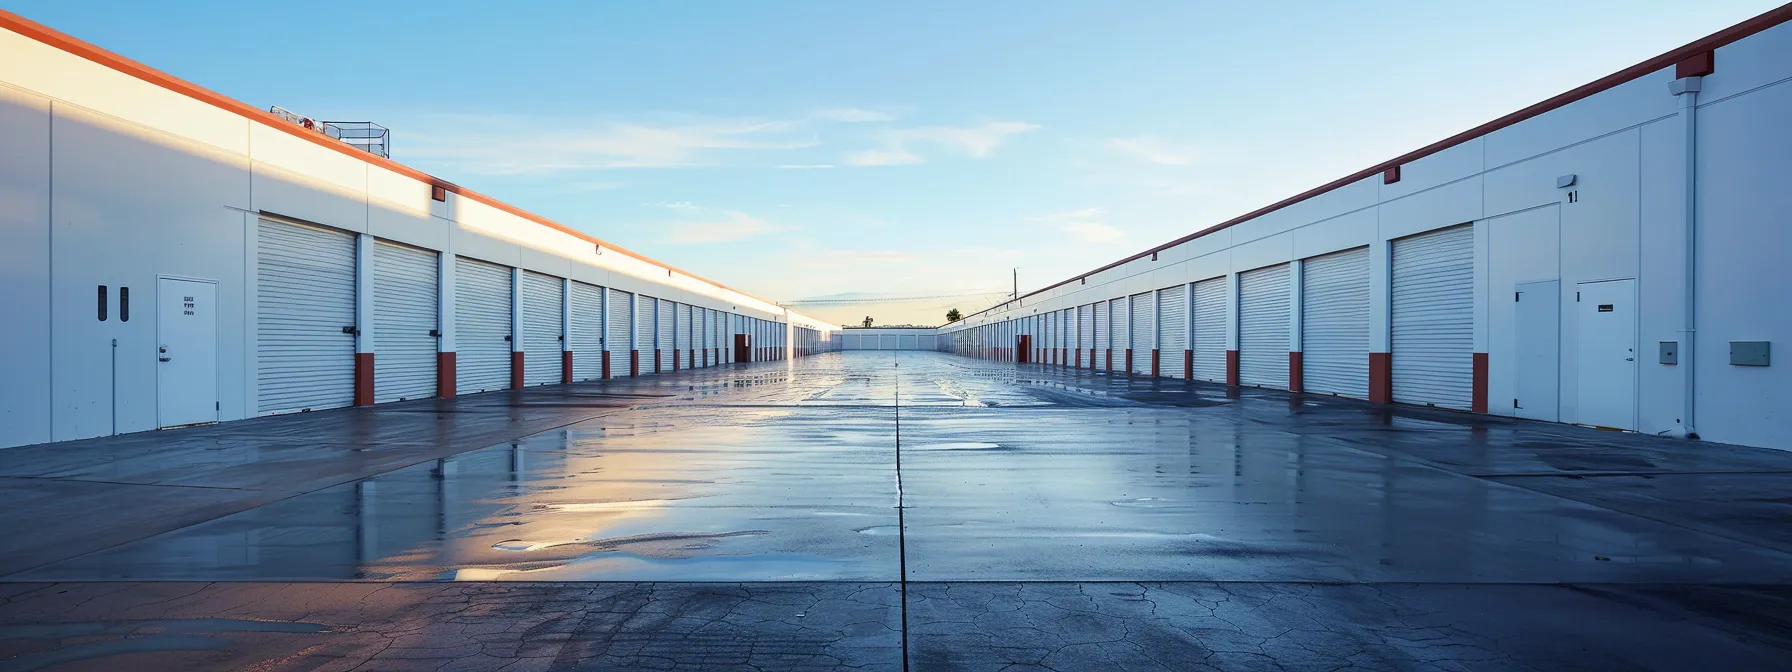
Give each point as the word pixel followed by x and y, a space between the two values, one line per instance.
pixel 587 331
pixel 1103 334
pixel 684 327
pixel 889 342
pixel 667 313
pixel 305 297
pixel 542 322
pixel 1334 329
pixel 646 322
pixel 1085 330
pixel 1263 327
pixel 1210 330
pixel 1172 329
pixel 1144 327
pixel 481 326
pixel 620 323
pixel 405 291
pixel 1433 320
pixel 909 342
pixel 1118 323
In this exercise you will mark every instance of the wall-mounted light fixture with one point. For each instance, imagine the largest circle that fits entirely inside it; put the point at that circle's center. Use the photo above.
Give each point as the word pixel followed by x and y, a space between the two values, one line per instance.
pixel 1566 181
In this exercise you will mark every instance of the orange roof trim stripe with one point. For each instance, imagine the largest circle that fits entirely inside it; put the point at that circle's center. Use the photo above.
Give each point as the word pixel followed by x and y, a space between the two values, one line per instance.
pixel 52 37
pixel 1699 47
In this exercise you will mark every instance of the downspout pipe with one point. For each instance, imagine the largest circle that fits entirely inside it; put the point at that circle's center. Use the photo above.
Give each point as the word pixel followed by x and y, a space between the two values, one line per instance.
pixel 1686 89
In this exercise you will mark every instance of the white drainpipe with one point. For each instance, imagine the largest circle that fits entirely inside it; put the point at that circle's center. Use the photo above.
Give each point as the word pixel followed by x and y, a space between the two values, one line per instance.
pixel 1687 90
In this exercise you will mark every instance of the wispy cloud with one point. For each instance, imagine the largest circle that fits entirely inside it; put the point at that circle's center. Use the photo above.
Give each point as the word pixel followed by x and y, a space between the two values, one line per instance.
pixel 852 115
pixel 974 141
pixel 729 227
pixel 814 166
pixel 1088 224
pixel 585 187
pixel 510 145
pixel 1154 149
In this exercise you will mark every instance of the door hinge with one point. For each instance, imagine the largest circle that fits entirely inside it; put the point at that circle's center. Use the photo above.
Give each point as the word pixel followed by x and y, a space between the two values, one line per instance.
pixel 1577 297
pixel 1515 403
pixel 1515 295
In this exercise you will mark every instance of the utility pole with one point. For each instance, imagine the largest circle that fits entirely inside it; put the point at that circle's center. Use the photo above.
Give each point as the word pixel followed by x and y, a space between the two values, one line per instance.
pixel 1017 283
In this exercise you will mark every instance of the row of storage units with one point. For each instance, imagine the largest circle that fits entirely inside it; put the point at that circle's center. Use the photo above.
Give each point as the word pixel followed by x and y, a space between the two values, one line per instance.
pixel 880 339
pixel 1302 326
pixel 319 345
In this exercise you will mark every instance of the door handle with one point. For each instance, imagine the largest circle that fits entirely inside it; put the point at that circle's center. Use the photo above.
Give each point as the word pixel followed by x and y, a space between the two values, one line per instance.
pixel 162 353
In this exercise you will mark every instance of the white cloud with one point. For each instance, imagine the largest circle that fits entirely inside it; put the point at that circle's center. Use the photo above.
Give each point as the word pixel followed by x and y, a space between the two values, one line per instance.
pixel 582 187
pixel 852 115
pixel 798 166
pixel 732 226
pixel 974 141
pixel 882 157
pixel 518 145
pixel 1155 150
pixel 1087 224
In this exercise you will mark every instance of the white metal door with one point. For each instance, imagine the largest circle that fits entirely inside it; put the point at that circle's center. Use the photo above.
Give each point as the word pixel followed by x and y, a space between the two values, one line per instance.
pixel 684 341
pixel 1172 329
pixel 587 336
pixel 1433 320
pixel 1335 323
pixel 1536 352
pixel 667 313
pixel 1263 327
pixel 909 342
pixel 616 342
pixel 187 352
pixel 1607 353
pixel 1144 331
pixel 481 326
pixel 1118 323
pixel 1210 330
pixel 542 322
pixel 305 318
pixel 405 322
pixel 1104 339
pixel 889 342
pixel 646 322
pixel 1085 332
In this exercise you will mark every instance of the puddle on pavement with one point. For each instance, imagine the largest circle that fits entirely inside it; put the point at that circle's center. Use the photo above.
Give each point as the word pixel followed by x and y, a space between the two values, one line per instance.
pixel 965 445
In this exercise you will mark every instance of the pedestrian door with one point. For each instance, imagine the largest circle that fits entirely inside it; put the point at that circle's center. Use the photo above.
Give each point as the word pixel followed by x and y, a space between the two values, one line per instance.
pixel 1607 353
pixel 186 352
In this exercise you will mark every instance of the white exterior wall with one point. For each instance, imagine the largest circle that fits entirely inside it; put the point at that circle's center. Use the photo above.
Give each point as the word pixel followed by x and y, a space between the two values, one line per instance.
pixel 1625 146
pixel 148 182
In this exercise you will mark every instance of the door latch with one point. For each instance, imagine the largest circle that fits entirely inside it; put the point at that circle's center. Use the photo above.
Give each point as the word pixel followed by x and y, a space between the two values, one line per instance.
pixel 351 330
pixel 162 353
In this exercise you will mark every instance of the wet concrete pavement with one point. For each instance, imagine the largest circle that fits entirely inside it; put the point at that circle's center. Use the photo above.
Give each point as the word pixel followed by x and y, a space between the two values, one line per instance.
pixel 747 518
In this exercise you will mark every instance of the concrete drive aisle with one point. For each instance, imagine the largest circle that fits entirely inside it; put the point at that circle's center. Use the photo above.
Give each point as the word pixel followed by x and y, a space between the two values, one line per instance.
pixel 748 518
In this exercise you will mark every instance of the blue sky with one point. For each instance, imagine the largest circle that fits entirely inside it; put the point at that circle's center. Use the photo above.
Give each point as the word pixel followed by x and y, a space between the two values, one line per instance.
pixel 917 148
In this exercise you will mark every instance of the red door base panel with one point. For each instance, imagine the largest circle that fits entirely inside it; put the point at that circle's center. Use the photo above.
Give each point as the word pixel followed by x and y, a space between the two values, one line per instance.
pixel 363 379
pixel 516 370
pixel 1294 373
pixel 445 375
pixel 1478 397
pixel 634 363
pixel 675 359
pixel 1107 360
pixel 1188 365
pixel 1381 378
pixel 1154 369
pixel 565 367
pixel 656 360
pixel 606 360
pixel 1232 368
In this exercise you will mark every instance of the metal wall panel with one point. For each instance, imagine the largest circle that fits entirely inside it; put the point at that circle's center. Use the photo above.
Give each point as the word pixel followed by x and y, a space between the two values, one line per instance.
pixel 305 296
pixel 1210 330
pixel 481 326
pixel 542 322
pixel 1172 329
pixel 1144 328
pixel 1335 323
pixel 1263 327
pixel 1432 318
pixel 405 293
pixel 587 331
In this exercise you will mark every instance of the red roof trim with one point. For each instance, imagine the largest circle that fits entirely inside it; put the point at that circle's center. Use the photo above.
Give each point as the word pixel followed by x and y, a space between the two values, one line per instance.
pixel 1673 58
pixel 63 41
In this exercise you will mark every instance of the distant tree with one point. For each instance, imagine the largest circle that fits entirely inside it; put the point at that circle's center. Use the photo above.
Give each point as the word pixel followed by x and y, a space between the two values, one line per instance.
pixel 867 321
pixel 953 315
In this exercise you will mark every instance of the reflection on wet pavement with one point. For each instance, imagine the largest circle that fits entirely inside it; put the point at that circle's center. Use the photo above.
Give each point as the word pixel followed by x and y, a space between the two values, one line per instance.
pixel 1063 499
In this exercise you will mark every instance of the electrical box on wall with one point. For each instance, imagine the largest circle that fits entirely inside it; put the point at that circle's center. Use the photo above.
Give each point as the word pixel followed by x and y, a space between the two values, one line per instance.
pixel 1750 353
pixel 1670 352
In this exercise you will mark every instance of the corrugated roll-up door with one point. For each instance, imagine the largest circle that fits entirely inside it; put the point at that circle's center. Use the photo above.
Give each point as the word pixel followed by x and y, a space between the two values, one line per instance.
pixel 1334 328
pixel 1210 330
pixel 1118 323
pixel 587 331
pixel 1103 334
pixel 1172 330
pixel 909 342
pixel 405 290
pixel 1433 320
pixel 305 295
pixel 1085 330
pixel 617 340
pixel 852 342
pixel 481 326
pixel 541 329
pixel 889 342
pixel 1144 327
pixel 664 332
pixel 645 323
pixel 686 328
pixel 1263 327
